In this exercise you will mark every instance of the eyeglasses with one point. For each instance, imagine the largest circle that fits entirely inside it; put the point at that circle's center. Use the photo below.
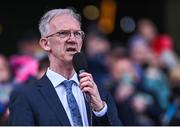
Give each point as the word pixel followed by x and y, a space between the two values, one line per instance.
pixel 79 34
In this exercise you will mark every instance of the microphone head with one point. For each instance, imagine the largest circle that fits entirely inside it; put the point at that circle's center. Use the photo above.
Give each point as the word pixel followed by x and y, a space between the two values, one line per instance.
pixel 79 62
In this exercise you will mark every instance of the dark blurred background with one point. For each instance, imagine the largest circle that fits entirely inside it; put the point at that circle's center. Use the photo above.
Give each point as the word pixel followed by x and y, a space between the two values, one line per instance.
pixel 16 17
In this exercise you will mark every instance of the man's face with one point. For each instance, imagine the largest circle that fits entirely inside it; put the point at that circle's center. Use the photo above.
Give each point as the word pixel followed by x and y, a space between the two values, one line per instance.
pixel 4 70
pixel 120 67
pixel 63 48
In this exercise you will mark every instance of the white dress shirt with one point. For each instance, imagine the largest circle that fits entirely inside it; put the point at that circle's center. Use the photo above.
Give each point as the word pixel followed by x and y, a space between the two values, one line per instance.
pixel 56 79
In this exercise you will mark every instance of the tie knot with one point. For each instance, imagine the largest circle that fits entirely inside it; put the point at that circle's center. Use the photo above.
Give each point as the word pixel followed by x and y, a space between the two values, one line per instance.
pixel 68 84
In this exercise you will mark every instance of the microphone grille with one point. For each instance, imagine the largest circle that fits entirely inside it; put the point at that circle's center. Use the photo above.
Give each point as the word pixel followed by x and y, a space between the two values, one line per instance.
pixel 79 62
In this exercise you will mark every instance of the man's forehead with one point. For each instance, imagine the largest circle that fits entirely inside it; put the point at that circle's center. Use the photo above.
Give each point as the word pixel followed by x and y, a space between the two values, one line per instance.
pixel 64 19
pixel 64 22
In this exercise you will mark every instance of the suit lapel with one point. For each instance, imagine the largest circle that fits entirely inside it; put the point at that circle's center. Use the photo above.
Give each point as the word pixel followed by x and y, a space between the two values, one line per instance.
pixel 47 90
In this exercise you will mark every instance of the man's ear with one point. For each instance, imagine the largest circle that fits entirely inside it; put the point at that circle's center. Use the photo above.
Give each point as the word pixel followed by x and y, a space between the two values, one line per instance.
pixel 45 44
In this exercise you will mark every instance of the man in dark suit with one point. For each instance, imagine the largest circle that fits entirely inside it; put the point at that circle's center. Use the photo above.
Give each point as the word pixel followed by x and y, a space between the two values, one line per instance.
pixel 50 100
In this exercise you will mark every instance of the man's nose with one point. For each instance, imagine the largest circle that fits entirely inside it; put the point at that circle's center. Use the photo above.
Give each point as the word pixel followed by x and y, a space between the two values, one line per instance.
pixel 72 38
pixel 72 35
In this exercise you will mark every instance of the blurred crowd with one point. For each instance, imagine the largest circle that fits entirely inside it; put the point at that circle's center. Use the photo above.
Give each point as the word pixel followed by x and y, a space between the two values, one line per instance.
pixel 143 76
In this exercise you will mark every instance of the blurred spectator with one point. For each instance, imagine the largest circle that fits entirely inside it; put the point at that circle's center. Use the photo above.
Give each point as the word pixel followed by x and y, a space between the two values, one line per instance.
pixel 161 43
pixel 151 80
pixel 131 107
pixel 24 68
pixel 147 29
pixel 163 47
pixel 172 114
pixel 139 49
pixel 5 73
pixel 139 52
pixel 119 54
pixel 96 49
pixel 156 82
pixel 6 87
pixel 25 64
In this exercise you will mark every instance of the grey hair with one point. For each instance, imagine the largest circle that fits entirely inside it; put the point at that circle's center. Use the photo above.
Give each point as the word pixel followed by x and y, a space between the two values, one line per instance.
pixel 48 16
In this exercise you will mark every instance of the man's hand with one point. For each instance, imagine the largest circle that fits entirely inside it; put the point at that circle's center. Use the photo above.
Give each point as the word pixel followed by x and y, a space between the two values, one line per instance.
pixel 87 84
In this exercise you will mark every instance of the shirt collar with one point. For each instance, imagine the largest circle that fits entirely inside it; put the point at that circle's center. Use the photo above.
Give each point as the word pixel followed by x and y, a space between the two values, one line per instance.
pixel 56 78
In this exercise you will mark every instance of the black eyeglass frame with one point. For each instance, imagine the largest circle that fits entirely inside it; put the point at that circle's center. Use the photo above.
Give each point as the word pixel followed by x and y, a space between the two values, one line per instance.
pixel 69 34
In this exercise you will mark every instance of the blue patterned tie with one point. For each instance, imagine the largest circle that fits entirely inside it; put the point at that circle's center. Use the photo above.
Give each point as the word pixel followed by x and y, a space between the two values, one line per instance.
pixel 73 106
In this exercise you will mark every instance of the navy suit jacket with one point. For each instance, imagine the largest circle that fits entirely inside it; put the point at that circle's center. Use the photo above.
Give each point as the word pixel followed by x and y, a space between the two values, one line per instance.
pixel 38 104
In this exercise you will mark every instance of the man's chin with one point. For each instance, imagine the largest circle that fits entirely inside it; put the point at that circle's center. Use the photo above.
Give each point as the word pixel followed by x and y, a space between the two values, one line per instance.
pixel 69 56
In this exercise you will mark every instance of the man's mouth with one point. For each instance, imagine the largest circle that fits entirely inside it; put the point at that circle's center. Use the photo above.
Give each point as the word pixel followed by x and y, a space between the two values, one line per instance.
pixel 71 49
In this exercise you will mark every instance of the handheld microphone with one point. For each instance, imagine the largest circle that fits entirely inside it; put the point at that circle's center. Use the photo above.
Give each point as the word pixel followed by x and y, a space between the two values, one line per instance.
pixel 80 65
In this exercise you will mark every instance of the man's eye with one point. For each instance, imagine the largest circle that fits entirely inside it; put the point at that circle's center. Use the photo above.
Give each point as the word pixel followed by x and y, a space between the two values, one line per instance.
pixel 77 34
pixel 63 33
